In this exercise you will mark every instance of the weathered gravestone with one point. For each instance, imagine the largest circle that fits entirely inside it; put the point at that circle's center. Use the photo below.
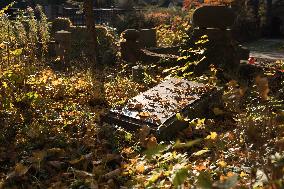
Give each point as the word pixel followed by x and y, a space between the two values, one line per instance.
pixel 130 48
pixel 63 44
pixel 222 50
pixel 148 38
pixel 141 46
pixel 157 107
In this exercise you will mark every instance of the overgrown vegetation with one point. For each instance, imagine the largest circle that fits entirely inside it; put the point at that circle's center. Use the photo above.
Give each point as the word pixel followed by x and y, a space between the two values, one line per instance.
pixel 52 135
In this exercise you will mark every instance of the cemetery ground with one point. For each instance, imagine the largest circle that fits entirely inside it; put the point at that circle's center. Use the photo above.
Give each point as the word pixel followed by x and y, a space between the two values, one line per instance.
pixel 53 132
pixel 66 145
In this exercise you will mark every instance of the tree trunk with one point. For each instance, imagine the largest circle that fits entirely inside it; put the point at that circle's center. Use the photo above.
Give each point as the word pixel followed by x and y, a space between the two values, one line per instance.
pixel 269 11
pixel 91 27
pixel 97 68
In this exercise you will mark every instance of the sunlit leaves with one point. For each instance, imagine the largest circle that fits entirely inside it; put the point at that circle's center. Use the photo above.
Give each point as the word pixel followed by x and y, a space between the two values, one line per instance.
pixel 212 136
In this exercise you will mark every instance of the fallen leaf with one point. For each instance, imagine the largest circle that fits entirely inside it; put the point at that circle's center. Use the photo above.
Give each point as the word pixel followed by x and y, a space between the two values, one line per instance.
pixel 218 111
pixel 200 152
pixel 212 136
pixel 140 168
pixel 112 174
pixel 200 167
pixel 83 174
pixel 204 180
pixel 243 174
pixel 152 143
pixel 222 164
pixel 56 164
pixel 188 144
pixel 21 169
pixel 144 114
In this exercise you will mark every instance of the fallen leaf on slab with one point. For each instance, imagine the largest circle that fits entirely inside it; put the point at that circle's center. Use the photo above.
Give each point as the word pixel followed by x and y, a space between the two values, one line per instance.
pixel 144 114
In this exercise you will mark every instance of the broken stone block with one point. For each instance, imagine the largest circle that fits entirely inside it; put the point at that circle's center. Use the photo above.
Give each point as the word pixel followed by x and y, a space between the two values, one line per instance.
pixel 157 107
pixel 131 34
pixel 147 38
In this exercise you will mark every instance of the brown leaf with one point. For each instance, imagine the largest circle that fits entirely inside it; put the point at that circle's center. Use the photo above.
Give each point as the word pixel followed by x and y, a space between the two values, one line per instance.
pixel 19 170
pixel 77 161
pixel 112 174
pixel 55 152
pixel 152 143
pixel 39 156
pixel 262 85
pixel 143 133
pixel 135 106
pixel 56 164
pixel 83 174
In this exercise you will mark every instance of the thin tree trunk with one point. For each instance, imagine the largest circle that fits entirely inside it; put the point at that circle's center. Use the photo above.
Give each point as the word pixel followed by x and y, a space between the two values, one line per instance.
pixel 98 69
pixel 91 27
pixel 269 11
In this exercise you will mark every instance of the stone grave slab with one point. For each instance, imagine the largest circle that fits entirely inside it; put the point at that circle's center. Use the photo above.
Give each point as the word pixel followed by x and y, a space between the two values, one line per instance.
pixel 157 107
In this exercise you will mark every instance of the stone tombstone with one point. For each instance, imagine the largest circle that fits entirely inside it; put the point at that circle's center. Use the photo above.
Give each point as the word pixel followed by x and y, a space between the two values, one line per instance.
pixel 130 50
pixel 222 50
pixel 220 17
pixel 157 107
pixel 63 41
pixel 148 38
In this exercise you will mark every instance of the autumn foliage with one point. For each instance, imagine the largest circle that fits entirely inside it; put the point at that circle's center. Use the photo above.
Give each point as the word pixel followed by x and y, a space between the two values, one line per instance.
pixel 187 4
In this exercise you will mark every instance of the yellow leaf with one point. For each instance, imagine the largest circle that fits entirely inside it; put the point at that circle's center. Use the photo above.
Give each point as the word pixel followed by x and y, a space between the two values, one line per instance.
pixel 153 179
pixel 2 45
pixel 212 136
pixel 77 161
pixel 200 152
pixel 5 85
pixel 200 122
pixel 140 168
pixel 243 174
pixel 222 164
pixel 17 52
